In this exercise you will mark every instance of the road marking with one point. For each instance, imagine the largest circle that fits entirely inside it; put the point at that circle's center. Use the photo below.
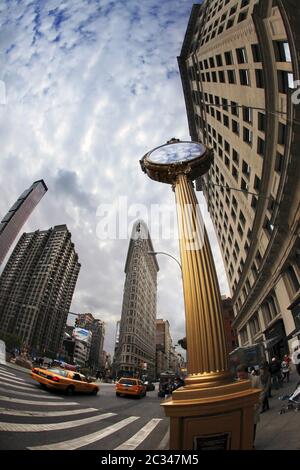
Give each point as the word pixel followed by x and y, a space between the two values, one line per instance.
pixel 31 402
pixel 25 384
pixel 86 440
pixel 2 372
pixel 164 445
pixel 29 394
pixel 8 411
pixel 15 378
pixel 140 436
pixel 14 427
pixel 21 387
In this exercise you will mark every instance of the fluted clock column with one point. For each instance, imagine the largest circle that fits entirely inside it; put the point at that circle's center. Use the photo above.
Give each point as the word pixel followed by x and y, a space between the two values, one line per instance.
pixel 204 321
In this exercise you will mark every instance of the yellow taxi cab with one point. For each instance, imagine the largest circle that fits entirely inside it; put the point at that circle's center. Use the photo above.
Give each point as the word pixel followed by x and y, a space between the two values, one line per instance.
pixel 68 381
pixel 130 386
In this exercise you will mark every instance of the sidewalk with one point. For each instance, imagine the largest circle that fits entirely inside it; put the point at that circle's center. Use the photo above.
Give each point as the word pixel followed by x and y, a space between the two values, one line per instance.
pixel 275 431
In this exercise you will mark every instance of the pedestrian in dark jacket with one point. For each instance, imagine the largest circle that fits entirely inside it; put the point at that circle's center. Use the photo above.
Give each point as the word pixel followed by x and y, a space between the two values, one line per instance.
pixel 265 379
pixel 275 370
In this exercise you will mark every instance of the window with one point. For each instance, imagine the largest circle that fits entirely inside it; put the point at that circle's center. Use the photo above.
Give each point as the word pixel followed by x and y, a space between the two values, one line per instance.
pixel 256 183
pixel 256 53
pixel 231 76
pixel 225 104
pixel 234 108
pixel 242 16
pixel 235 156
pixel 244 336
pixel 226 120
pixel 279 162
pixel 245 77
pixel 255 325
pixel 235 173
pixel 211 62
pixel 282 131
pixel 221 76
pixel 246 169
pixel 261 122
pixel 260 146
pixel 242 219
pixel 282 51
pixel 235 127
pixel 270 309
pixel 219 60
pixel 228 58
pixel 260 82
pixel 247 136
pixel 293 279
pixel 285 81
pixel 241 54
pixel 247 114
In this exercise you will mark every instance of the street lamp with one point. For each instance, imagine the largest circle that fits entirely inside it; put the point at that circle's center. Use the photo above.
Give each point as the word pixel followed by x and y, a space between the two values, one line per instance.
pixel 211 411
pixel 154 253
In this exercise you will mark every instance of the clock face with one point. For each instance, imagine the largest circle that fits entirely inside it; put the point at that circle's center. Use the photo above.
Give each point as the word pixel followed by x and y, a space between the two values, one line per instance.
pixel 176 153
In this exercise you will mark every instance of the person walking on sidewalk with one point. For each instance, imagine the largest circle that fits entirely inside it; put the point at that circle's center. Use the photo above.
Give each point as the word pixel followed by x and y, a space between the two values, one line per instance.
pixel 265 379
pixel 275 369
pixel 243 374
pixel 285 369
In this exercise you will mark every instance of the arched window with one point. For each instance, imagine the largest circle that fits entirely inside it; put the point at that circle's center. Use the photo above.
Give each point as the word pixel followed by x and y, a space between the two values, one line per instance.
pixel 293 279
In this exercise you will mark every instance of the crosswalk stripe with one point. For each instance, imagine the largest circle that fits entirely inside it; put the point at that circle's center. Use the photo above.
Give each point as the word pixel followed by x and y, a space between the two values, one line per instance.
pixel 21 387
pixel 13 381
pixel 32 402
pixel 15 378
pixel 140 436
pixel 16 427
pixel 2 372
pixel 73 444
pixel 7 411
pixel 29 394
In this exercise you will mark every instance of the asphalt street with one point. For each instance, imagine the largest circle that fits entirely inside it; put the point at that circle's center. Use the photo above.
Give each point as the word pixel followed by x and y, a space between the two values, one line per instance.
pixel 31 418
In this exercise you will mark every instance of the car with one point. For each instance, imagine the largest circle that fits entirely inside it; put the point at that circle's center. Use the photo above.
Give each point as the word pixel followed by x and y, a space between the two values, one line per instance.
pixel 130 386
pixel 56 378
pixel 149 386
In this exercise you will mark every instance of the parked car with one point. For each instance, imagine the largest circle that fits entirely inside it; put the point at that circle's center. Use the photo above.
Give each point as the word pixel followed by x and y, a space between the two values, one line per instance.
pixel 68 381
pixel 130 386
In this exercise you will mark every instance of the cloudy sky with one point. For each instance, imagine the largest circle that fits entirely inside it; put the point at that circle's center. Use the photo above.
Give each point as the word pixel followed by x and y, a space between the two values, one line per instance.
pixel 90 87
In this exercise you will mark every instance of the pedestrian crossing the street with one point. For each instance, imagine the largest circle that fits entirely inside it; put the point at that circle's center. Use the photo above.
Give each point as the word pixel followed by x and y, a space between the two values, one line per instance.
pixel 36 421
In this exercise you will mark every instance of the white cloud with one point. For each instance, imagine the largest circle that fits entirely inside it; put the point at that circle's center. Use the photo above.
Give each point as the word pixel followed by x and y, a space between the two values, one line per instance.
pixel 90 88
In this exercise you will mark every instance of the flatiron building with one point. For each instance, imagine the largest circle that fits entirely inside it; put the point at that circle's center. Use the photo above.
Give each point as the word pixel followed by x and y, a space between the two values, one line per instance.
pixel 136 348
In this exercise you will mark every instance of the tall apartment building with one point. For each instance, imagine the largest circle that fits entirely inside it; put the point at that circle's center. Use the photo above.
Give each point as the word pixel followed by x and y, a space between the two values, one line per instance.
pixel 17 215
pixel 36 288
pixel 97 328
pixel 136 343
pixel 238 64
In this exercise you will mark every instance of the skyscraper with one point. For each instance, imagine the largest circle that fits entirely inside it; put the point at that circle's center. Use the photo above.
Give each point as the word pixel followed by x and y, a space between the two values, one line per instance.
pixel 238 64
pixel 97 328
pixel 163 342
pixel 17 215
pixel 36 288
pixel 135 353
